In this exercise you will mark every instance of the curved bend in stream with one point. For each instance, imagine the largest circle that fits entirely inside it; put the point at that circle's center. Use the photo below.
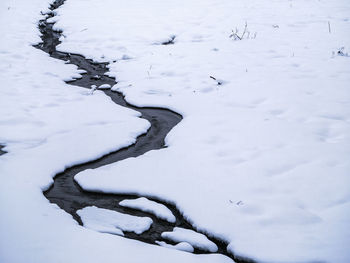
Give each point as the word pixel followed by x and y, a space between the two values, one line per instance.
pixel 69 196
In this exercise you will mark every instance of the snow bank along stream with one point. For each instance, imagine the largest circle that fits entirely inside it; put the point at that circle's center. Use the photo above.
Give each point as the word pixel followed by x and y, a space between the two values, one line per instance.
pixel 69 196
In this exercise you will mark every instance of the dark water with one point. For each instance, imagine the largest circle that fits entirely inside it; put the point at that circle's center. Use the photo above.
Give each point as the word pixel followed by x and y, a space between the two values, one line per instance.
pixel 69 196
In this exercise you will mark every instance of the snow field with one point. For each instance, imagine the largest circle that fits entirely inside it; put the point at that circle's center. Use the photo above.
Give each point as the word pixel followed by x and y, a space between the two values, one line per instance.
pixel 260 160
pixel 47 126
pixel 143 204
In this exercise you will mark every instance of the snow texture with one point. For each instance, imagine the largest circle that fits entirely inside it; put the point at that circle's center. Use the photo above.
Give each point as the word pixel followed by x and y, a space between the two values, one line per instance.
pixel 104 220
pixel 143 204
pixel 183 246
pixel 48 126
pixel 261 160
pixel 197 240
pixel 104 86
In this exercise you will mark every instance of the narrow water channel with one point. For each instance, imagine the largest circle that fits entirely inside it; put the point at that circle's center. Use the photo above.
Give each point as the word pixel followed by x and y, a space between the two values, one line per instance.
pixel 69 196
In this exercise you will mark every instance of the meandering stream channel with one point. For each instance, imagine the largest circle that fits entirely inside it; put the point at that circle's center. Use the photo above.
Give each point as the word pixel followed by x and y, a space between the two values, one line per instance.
pixel 69 196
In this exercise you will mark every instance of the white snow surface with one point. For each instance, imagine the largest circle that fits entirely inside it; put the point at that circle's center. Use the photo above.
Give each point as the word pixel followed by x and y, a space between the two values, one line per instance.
pixel 104 86
pixel 143 204
pixel 47 126
pixel 261 160
pixel 197 240
pixel 104 220
pixel 183 246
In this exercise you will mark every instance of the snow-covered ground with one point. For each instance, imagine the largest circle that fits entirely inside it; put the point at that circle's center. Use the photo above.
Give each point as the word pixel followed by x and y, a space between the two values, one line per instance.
pixel 47 126
pixel 261 160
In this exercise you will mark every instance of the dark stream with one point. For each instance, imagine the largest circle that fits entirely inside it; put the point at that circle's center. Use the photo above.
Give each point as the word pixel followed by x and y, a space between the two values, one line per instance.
pixel 69 196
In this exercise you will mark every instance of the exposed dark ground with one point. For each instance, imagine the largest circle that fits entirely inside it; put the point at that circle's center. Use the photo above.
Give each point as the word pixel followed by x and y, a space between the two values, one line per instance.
pixel 69 196
pixel 1 151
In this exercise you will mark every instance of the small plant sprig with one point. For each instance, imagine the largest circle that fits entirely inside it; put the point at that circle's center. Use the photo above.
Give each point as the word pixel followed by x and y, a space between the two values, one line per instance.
pixel 218 82
pixel 244 35
pixel 341 52
pixel 170 41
